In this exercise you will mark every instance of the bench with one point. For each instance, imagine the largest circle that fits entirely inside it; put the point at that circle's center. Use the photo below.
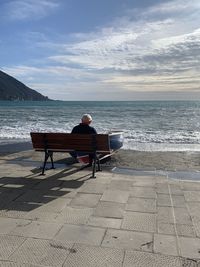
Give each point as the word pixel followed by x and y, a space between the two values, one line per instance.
pixel 97 144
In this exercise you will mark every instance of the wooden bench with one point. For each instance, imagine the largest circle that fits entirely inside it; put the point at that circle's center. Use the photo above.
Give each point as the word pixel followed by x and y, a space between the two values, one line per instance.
pixel 97 144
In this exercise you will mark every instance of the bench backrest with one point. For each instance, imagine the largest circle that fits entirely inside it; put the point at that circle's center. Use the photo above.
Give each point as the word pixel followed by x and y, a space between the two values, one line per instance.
pixel 69 142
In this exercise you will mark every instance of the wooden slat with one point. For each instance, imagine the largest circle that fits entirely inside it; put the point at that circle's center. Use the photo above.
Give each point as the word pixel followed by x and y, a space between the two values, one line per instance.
pixel 67 141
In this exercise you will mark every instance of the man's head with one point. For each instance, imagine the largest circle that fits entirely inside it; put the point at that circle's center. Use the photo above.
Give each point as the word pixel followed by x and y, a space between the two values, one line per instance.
pixel 86 119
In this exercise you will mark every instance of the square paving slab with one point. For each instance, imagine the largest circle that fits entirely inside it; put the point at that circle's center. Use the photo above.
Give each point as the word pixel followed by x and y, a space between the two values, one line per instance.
pixel 85 200
pixel 144 259
pixel 142 222
pixel 75 215
pixel 8 244
pixel 37 229
pixel 81 234
pixel 115 196
pixel 165 244
pixel 128 240
pixel 42 252
pixel 144 192
pixel 141 204
pixel 89 256
pixel 109 209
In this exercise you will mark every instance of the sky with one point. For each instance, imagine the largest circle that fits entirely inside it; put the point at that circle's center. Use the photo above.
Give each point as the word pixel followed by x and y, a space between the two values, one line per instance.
pixel 103 50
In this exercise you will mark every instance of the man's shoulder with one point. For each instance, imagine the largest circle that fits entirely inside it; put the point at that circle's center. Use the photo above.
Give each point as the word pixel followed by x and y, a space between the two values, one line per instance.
pixel 93 130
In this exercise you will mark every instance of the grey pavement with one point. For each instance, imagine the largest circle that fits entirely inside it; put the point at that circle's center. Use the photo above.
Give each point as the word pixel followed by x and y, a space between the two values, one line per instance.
pixel 66 218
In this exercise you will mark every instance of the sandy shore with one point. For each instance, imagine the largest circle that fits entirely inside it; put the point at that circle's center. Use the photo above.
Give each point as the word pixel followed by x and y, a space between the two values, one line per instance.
pixel 145 160
pixel 167 160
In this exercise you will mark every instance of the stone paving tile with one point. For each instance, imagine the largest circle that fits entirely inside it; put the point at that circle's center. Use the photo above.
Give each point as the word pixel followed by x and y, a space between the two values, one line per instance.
pixel 141 205
pixel 42 252
pixel 16 264
pixel 36 196
pixel 36 229
pixel 55 205
pixel 86 200
pixel 165 244
pixel 120 177
pixel 75 215
pixel 185 230
pixel 10 195
pixel 143 222
pixel 128 240
pixel 194 211
pixel 145 181
pixel 178 201
pixel 181 229
pixel 90 256
pixel 17 210
pixel 162 188
pixel 47 184
pixel 65 192
pixel 196 224
pixel 144 259
pixel 93 188
pixel 122 185
pixel 166 228
pixel 161 179
pixel 8 244
pixel 8 224
pixel 115 196
pixel 21 181
pixel 144 192
pixel 190 247
pixel 194 208
pixel 109 209
pixel 105 222
pixel 43 216
pixel 182 216
pixel 190 186
pixel 165 200
pixel 165 215
pixel 81 234
pixel 175 190
pixel 192 196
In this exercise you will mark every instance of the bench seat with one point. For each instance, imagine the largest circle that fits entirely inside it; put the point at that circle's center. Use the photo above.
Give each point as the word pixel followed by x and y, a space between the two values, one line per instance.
pixel 96 144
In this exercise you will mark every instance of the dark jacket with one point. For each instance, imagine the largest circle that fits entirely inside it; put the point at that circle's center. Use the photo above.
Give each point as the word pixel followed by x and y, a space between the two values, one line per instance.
pixel 84 129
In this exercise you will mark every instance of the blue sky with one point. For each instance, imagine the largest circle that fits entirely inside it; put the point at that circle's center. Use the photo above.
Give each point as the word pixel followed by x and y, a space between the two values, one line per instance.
pixel 103 50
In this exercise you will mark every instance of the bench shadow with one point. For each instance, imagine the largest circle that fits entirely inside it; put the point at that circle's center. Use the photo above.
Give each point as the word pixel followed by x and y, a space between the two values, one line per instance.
pixel 20 195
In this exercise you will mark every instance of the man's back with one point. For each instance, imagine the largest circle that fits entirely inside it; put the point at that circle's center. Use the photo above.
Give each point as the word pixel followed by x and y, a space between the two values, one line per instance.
pixel 84 129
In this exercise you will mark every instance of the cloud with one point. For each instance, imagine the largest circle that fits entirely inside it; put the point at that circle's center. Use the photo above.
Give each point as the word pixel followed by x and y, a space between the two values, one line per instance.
pixel 28 9
pixel 156 51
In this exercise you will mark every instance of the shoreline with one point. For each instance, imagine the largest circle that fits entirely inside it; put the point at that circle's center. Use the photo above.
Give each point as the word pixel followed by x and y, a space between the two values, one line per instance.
pixel 159 160
pixel 138 160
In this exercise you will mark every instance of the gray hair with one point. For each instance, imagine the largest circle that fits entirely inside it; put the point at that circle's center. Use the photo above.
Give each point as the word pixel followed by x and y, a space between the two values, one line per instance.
pixel 86 118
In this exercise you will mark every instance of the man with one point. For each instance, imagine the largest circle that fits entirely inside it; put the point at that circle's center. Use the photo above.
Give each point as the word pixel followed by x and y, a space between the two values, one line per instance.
pixel 84 128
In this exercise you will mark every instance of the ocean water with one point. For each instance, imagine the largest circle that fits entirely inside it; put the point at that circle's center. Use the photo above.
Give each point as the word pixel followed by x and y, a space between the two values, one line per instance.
pixel 147 125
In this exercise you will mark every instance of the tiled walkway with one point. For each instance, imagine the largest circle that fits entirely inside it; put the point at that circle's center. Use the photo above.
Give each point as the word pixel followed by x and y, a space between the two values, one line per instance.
pixel 67 219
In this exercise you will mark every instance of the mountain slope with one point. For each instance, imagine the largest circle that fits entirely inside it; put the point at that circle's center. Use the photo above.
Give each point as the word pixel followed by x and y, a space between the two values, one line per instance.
pixel 12 89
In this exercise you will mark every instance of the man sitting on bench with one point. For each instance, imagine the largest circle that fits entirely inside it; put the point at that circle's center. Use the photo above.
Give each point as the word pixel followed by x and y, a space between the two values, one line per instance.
pixel 84 128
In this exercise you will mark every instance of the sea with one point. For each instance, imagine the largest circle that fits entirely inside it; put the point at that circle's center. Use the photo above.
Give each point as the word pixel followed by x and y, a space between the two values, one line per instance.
pixel 147 125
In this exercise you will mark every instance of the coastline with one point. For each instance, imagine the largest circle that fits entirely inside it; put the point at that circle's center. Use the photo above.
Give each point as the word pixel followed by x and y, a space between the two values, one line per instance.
pixel 138 160
pixel 159 160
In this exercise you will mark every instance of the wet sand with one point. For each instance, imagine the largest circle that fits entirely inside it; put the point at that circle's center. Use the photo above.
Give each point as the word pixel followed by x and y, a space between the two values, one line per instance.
pixel 139 160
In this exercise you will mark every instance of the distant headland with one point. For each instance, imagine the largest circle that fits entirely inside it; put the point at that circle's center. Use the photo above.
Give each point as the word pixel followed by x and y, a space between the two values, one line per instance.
pixel 13 90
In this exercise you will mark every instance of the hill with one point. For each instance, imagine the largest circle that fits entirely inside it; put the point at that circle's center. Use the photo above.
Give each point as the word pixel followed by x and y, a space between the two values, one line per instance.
pixel 12 89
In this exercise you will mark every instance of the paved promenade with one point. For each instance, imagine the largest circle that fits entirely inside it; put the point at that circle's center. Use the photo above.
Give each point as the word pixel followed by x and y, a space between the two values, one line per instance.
pixel 65 218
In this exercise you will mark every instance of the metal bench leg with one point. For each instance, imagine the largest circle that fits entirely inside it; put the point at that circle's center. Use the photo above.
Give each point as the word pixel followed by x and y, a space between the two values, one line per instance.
pixel 45 161
pixel 51 157
pixel 99 165
pixel 94 166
